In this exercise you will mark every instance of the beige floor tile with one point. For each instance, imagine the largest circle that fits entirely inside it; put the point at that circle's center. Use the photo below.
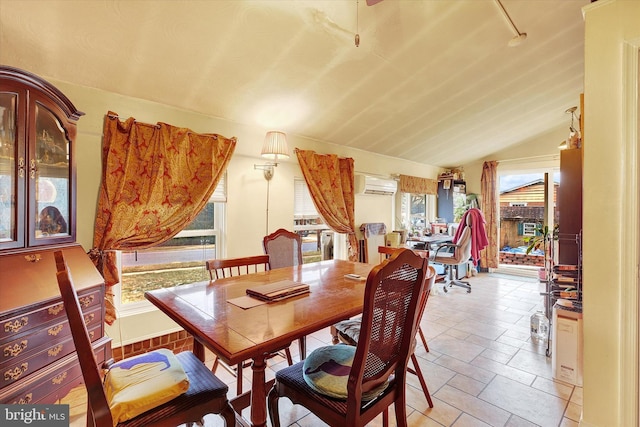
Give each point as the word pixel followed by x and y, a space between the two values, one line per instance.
pixel 455 347
pixel 467 420
pixel 466 384
pixel 528 403
pixel 516 421
pixel 534 363
pixel 556 388
pixel 573 412
pixel 478 408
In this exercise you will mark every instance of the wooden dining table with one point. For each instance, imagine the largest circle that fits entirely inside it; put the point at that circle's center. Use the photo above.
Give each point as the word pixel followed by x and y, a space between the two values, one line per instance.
pixel 236 334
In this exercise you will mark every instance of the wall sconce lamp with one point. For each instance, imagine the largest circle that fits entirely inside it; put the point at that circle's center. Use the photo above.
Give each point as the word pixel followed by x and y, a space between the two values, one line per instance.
pixel 575 139
pixel 274 147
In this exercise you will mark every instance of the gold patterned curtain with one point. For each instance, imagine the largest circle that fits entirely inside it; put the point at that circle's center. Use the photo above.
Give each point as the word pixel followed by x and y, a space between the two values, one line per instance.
pixel 416 185
pixel 155 181
pixel 490 202
pixel 331 180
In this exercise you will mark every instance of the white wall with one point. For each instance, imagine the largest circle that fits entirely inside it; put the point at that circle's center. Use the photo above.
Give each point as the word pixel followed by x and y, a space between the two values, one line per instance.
pixel 610 218
pixel 246 207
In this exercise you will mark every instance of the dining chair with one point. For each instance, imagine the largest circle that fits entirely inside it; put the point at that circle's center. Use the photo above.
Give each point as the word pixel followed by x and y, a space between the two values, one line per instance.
pixel 351 385
pixel 229 267
pixel 205 393
pixel 285 250
pixel 340 331
pixel 348 332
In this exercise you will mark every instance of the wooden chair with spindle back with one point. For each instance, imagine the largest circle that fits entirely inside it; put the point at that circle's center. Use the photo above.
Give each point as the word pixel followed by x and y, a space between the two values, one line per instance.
pixel 229 267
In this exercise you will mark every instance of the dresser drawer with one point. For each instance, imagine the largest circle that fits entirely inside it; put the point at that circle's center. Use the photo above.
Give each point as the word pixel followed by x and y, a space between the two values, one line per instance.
pixel 21 366
pixel 25 344
pixel 50 384
pixel 28 320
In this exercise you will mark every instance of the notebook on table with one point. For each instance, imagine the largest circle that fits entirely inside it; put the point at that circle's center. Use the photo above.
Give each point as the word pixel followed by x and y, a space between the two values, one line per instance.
pixel 278 290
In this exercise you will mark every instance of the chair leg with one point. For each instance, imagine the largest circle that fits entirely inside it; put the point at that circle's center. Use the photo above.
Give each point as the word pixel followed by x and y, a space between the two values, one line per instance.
pixel 239 379
pixel 272 406
pixel 424 340
pixel 400 407
pixel 423 383
pixel 334 335
pixel 287 354
pixel 302 344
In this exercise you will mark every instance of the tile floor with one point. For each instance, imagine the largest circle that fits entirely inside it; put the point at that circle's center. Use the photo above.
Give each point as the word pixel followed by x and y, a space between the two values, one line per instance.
pixel 482 368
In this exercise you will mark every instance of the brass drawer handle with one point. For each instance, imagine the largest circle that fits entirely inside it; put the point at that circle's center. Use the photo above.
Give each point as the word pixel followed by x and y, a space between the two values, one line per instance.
pixel 86 301
pixel 92 334
pixel 33 170
pixel 88 319
pixel 16 349
pixel 33 257
pixel 15 373
pixel 16 325
pixel 21 165
pixel 58 379
pixel 53 351
pixel 24 400
pixel 56 309
pixel 55 330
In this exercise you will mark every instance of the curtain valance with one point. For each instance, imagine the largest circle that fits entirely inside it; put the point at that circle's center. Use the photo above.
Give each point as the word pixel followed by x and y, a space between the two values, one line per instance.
pixel 417 185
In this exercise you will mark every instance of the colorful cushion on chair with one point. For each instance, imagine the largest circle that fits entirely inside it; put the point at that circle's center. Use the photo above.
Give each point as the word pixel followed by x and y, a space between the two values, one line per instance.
pixel 326 370
pixel 140 383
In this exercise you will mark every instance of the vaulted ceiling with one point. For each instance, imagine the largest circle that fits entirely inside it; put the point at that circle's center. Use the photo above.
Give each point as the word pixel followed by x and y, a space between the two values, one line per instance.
pixel 433 81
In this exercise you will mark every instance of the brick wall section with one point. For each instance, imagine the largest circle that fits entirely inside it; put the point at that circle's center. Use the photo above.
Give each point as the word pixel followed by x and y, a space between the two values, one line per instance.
pixel 521 259
pixel 175 341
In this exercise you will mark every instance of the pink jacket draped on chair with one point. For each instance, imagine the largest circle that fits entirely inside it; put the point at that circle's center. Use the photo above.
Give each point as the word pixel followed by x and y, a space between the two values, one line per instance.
pixel 479 239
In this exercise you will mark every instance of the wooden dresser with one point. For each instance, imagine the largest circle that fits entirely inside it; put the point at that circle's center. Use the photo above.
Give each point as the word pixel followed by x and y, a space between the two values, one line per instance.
pixel 38 363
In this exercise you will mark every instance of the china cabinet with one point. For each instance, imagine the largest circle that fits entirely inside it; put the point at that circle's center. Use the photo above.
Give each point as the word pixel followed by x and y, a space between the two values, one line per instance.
pixel 38 361
pixel 37 162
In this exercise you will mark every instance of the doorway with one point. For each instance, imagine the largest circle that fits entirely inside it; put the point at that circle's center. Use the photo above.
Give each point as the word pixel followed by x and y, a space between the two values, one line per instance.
pixel 527 200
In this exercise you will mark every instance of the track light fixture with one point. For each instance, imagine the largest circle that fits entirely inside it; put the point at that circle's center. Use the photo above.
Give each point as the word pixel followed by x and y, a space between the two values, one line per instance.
pixel 519 37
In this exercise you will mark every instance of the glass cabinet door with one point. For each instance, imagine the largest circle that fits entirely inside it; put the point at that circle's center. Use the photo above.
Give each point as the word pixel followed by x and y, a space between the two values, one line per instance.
pixel 12 172
pixel 49 179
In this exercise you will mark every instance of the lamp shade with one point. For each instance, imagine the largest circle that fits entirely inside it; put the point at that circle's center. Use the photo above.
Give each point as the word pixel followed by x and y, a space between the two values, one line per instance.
pixel 275 145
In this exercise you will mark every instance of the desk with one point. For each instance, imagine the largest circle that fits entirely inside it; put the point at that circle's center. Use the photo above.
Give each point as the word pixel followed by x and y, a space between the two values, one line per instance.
pixel 434 239
pixel 234 334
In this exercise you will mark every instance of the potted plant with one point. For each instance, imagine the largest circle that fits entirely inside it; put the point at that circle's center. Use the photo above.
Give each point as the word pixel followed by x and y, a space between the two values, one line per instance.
pixel 542 240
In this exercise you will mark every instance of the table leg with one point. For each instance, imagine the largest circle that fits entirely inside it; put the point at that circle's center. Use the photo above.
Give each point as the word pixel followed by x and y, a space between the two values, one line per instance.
pixel 198 350
pixel 258 393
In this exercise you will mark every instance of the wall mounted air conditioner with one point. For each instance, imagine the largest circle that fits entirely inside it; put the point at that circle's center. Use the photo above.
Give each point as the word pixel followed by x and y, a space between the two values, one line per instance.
pixel 365 184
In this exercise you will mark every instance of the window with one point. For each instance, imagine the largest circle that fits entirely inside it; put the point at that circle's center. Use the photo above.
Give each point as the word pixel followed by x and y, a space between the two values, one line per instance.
pixel 308 223
pixel 179 260
pixel 417 211
pixel 528 229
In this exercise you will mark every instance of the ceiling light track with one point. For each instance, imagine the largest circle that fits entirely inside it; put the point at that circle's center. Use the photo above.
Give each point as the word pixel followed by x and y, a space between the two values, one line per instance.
pixel 357 23
pixel 519 37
